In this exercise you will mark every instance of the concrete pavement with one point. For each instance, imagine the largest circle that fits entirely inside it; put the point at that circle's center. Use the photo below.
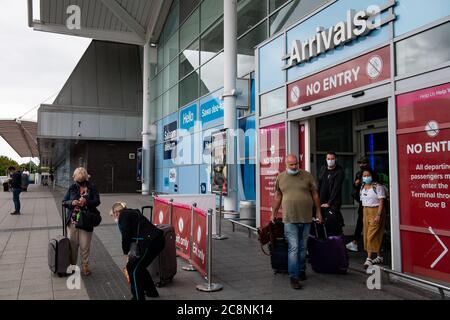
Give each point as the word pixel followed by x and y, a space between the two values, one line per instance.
pixel 238 262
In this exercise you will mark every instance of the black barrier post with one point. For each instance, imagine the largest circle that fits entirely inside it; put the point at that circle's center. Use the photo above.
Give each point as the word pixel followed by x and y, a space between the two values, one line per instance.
pixel 190 267
pixel 219 236
pixel 170 211
pixel 209 287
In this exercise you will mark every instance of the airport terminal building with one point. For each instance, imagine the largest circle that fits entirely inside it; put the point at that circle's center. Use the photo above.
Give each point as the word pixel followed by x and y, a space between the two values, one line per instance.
pixel 369 77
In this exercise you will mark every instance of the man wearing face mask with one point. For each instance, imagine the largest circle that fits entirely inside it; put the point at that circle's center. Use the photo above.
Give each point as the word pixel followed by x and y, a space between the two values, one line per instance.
pixel 330 181
pixel 296 192
pixel 82 195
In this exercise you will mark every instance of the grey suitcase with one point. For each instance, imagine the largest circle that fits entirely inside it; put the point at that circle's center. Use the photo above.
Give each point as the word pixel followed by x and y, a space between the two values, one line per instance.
pixel 164 268
pixel 59 251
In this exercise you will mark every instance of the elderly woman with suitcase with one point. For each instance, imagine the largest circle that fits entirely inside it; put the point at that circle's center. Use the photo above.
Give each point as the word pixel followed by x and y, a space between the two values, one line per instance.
pixel 142 242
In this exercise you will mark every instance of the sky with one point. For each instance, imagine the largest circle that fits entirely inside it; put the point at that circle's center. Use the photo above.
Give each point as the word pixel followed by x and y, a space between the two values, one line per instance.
pixel 34 66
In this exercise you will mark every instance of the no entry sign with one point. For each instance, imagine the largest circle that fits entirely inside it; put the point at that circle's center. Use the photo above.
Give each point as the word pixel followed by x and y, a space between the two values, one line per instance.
pixel 423 128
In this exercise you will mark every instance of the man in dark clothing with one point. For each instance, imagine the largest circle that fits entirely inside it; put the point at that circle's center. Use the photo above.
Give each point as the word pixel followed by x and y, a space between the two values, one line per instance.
pixel 330 180
pixel 16 186
pixel 363 163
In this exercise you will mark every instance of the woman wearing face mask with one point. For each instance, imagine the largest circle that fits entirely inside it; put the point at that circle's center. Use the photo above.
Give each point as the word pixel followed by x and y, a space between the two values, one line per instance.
pixel 82 195
pixel 372 199
pixel 135 228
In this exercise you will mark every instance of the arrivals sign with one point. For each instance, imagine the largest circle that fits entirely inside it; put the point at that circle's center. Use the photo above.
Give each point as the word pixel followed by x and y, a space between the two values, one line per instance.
pixel 423 135
pixel 357 24
pixel 181 221
pixel 272 156
pixel 362 71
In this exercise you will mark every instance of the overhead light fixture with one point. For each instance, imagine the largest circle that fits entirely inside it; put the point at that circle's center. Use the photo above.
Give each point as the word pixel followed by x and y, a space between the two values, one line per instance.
pixel 358 94
pixel 153 45
pixel 306 108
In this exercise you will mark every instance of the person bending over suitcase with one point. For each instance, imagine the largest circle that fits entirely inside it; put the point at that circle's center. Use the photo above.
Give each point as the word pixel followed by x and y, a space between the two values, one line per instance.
pixel 372 196
pixel 141 236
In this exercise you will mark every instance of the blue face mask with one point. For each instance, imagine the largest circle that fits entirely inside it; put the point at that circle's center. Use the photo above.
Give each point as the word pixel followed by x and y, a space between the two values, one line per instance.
pixel 367 180
pixel 292 172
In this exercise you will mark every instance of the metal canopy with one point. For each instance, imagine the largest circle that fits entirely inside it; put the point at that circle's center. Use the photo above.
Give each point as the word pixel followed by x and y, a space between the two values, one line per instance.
pixel 126 21
pixel 21 136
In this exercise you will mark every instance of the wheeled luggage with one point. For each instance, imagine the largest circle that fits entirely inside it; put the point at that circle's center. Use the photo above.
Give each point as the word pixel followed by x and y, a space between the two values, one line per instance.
pixel 327 254
pixel 164 267
pixel 279 255
pixel 334 222
pixel 59 251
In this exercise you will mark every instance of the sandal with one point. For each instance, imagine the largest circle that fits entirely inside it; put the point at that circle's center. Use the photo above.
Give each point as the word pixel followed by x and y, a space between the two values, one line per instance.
pixel 368 263
pixel 378 260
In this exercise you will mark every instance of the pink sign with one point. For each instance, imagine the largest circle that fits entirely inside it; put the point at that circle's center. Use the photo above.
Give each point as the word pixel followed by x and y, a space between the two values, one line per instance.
pixel 199 241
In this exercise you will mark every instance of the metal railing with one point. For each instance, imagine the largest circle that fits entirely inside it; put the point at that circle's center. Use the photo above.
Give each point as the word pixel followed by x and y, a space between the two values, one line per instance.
pixel 249 228
pixel 441 288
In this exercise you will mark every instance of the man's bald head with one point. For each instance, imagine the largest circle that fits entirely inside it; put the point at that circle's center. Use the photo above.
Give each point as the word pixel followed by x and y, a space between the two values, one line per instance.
pixel 291 162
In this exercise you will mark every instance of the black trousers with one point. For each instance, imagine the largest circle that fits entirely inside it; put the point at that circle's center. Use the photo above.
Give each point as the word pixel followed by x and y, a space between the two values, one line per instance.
pixel 141 281
pixel 359 223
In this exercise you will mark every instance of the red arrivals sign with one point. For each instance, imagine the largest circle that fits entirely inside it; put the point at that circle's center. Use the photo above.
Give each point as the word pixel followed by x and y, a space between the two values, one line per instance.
pixel 362 71
pixel 181 221
pixel 423 135
pixel 272 162
pixel 199 241
pixel 161 211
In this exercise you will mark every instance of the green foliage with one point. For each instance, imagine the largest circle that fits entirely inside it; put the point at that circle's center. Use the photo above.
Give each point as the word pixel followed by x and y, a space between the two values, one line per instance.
pixel 5 163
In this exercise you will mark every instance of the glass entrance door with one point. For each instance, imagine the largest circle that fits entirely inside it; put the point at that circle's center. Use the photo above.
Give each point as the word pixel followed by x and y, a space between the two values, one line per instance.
pixel 375 145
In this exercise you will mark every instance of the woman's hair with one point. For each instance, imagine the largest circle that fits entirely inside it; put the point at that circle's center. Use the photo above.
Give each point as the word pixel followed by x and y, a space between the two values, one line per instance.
pixel 118 206
pixel 80 174
pixel 369 170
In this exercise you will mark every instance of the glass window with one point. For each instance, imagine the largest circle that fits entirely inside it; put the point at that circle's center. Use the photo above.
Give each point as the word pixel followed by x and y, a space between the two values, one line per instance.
pixel 188 89
pixel 412 14
pixel 271 74
pixel 211 10
pixel 189 30
pixel 374 112
pixel 158 106
pixel 334 132
pixel 250 12
pixel 246 49
pixel 212 75
pixel 160 56
pixel 172 21
pixel 275 4
pixel 186 7
pixel 170 101
pixel 273 102
pixel 211 42
pixel 156 86
pixel 171 74
pixel 292 13
pixel 189 59
pixel 171 49
pixel 424 50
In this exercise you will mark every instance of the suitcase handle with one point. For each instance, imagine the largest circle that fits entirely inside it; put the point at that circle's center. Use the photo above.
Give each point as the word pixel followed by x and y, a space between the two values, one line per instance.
pixel 151 211
pixel 63 219
pixel 316 222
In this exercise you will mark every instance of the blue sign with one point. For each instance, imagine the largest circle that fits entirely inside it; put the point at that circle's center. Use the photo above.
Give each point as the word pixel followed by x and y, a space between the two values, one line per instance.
pixel 188 116
pixel 211 110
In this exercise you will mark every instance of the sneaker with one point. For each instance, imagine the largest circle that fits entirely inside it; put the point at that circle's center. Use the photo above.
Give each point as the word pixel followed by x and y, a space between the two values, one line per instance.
pixel 351 246
pixel 295 284
pixel 368 263
pixel 15 213
pixel 302 276
pixel 378 260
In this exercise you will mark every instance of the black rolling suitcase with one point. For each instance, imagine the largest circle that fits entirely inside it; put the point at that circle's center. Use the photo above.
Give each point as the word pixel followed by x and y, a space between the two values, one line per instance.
pixel 164 267
pixel 279 256
pixel 59 251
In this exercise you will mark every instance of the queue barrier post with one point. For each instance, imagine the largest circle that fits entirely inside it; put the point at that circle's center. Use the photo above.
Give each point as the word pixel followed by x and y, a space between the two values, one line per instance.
pixel 220 236
pixel 209 286
pixel 190 267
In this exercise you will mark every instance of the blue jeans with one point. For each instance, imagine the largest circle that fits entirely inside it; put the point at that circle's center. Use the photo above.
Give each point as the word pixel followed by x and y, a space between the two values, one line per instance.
pixel 16 199
pixel 296 235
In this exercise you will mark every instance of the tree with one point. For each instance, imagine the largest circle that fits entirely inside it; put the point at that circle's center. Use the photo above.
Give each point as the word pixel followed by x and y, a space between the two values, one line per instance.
pixel 5 163
pixel 26 166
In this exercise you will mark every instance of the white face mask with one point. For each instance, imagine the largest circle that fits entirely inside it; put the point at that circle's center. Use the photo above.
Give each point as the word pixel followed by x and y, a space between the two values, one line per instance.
pixel 116 220
pixel 331 163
